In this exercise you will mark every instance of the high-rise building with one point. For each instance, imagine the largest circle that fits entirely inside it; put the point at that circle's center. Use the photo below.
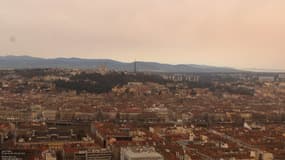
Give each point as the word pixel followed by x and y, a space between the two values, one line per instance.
pixel 93 154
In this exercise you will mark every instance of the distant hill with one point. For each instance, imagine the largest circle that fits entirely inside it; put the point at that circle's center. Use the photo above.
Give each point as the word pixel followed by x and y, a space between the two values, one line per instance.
pixel 264 70
pixel 26 62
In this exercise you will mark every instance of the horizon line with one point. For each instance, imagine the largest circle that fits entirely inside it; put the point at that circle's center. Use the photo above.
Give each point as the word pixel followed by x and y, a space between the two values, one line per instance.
pixel 249 69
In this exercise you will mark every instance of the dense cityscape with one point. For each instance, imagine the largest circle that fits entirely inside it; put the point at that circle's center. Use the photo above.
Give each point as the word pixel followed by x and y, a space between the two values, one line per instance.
pixel 101 114
pixel 142 80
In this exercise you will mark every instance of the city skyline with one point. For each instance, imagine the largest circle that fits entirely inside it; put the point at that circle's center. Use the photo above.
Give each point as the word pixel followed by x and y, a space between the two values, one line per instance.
pixel 219 33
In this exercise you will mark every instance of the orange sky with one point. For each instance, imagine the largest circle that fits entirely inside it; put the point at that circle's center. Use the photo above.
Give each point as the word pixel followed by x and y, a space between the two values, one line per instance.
pixel 235 33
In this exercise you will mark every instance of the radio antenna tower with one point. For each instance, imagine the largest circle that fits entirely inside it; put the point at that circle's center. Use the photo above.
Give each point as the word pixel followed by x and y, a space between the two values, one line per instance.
pixel 135 66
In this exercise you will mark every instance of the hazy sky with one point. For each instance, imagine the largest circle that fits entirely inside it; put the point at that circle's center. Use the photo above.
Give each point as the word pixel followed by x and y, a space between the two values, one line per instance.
pixel 237 33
